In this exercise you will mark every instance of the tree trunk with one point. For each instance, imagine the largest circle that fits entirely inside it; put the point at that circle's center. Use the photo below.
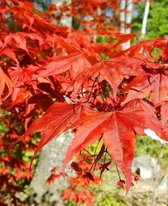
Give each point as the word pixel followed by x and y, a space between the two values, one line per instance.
pixel 126 7
pixel 128 20
pixel 122 16
pixel 51 156
pixel 145 18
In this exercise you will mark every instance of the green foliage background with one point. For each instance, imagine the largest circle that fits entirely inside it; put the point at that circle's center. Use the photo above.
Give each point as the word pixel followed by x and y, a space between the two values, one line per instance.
pixel 157 25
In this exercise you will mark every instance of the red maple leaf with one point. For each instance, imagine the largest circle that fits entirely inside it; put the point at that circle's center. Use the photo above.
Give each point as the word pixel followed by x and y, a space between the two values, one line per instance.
pixel 10 54
pixel 113 71
pixel 118 130
pixel 75 63
pixel 57 119
pixel 154 86
pixel 5 83
pixel 163 111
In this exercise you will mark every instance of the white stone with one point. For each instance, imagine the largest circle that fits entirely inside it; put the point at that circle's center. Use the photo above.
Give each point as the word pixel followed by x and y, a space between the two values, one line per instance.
pixel 147 166
pixel 163 185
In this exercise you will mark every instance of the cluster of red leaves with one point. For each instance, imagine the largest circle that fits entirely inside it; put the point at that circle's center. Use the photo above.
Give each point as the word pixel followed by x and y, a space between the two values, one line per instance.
pixel 79 186
pixel 22 50
pixel 86 170
pixel 14 168
pixel 89 167
pixel 113 99
pixel 45 68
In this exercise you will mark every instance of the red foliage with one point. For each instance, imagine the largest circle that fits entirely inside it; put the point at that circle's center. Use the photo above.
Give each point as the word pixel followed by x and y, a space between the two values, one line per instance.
pixel 48 71
pixel 14 168
pixel 79 186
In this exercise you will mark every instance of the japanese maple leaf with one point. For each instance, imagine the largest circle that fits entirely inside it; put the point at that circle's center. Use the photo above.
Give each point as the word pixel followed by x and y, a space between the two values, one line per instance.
pixel 19 75
pixel 34 36
pixel 155 86
pixel 10 54
pixel 143 50
pixel 113 71
pixel 5 82
pixel 118 130
pixel 116 70
pixel 57 119
pixel 142 104
pixel 79 41
pixel 124 37
pixel 19 95
pixel 19 39
pixel 75 63
pixel 159 88
pixel 163 107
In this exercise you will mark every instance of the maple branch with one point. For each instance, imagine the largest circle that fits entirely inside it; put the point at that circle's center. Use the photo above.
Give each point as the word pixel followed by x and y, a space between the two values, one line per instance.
pixel 95 160
pixel 118 172
pixel 87 151
pixel 104 160
pixel 93 87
